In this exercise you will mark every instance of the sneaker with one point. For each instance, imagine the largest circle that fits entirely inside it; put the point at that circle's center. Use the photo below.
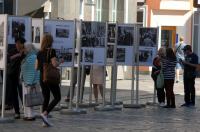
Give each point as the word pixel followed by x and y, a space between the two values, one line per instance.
pixel 185 105
pixel 17 116
pixel 162 104
pixel 45 120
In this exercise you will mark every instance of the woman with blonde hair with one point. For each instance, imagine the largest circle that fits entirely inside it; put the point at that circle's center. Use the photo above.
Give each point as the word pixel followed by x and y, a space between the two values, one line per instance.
pixel 156 69
pixel 29 77
pixel 47 55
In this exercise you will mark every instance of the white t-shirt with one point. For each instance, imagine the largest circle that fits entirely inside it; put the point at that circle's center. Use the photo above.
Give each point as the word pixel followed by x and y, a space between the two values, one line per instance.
pixel 179 50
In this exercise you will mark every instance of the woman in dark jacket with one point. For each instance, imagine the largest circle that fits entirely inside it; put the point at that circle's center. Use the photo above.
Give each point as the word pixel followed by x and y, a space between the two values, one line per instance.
pixel 156 69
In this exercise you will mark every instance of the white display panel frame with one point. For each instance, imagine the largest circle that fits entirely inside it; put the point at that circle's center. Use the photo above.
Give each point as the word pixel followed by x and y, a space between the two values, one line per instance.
pixel 3 41
pixel 148 45
pixel 25 29
pixel 37 31
pixel 93 43
pixel 125 48
pixel 63 32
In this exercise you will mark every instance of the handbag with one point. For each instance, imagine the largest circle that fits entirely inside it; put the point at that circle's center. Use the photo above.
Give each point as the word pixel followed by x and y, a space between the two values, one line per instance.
pixel 160 80
pixel 34 97
pixel 51 74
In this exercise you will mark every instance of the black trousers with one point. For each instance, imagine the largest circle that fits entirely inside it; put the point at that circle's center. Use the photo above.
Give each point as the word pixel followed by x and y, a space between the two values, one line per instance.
pixel 169 86
pixel 189 90
pixel 161 95
pixel 14 88
pixel 46 89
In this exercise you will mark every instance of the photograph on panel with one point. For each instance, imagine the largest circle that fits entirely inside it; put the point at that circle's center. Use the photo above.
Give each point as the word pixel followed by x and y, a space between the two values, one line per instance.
pixel 89 55
pixel 86 28
pixel 62 33
pixel 93 34
pixel 146 56
pixel 110 51
pixel 148 37
pixel 65 54
pixel 125 36
pixel 100 29
pixel 37 35
pixel 18 28
pixel 121 52
pixel 111 33
pixel 1 33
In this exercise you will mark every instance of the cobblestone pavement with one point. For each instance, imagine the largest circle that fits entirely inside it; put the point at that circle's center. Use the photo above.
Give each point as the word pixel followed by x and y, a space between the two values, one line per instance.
pixel 148 119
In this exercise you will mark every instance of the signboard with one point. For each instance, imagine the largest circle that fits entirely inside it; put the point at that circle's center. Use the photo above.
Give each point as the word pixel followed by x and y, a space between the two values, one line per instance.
pixel 93 43
pixel 63 33
pixel 3 33
pixel 148 43
pixel 125 44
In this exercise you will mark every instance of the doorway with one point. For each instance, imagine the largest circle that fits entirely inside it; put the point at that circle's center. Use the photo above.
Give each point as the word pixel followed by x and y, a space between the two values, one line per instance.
pixel 168 36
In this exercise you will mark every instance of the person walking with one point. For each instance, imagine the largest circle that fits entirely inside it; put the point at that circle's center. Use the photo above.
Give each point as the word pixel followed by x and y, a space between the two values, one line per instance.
pixel 14 88
pixel 168 68
pixel 43 57
pixel 191 60
pixel 155 71
pixel 179 55
pixel 29 77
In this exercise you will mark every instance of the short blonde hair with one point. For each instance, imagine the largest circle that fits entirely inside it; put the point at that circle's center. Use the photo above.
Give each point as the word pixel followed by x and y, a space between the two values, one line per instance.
pixel 181 38
pixel 162 52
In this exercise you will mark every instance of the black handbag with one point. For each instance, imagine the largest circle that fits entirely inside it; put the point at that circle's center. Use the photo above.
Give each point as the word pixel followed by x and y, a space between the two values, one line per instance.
pixel 34 97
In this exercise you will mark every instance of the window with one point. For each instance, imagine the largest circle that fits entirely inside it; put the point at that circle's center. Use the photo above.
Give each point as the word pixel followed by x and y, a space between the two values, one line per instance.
pixel 99 10
pixel 114 10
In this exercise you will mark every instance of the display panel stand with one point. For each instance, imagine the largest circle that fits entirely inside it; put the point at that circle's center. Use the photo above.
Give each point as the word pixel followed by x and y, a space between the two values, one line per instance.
pixel 4 119
pixel 112 106
pixel 135 104
pixel 76 110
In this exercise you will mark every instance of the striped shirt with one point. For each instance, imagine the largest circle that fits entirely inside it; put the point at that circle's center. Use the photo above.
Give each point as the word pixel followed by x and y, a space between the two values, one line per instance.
pixel 168 68
pixel 28 73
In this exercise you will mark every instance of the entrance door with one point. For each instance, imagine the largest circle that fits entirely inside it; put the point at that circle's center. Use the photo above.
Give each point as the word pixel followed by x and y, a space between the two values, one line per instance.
pixel 168 36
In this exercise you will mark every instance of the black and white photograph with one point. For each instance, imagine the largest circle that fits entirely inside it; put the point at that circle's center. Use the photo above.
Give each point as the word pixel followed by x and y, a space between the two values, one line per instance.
pixel 148 37
pixel 111 33
pixel 146 56
pixel 125 36
pixel 89 55
pixel 62 33
pixel 1 33
pixel 93 34
pixel 37 35
pixel 65 54
pixel 110 51
pixel 121 54
pixel 18 28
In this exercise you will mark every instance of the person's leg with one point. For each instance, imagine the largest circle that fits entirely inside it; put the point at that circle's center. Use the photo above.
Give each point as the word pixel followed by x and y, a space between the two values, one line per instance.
pixel 101 89
pixel 55 90
pixel 83 86
pixel 15 100
pixel 192 91
pixel 162 95
pixel 25 91
pixel 177 75
pixel 172 96
pixel 19 89
pixel 186 91
pixel 95 90
pixel 167 89
pixel 46 95
pixel 159 95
